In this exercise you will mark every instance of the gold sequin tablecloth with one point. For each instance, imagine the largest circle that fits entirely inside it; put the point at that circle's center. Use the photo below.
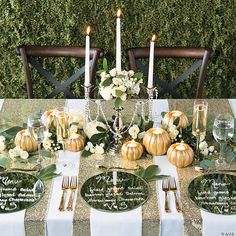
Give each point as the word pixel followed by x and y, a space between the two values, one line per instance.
pixel 17 111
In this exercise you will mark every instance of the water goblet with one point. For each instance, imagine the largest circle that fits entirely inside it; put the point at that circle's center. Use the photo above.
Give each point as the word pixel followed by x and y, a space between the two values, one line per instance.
pixel 199 123
pixel 38 131
pixel 223 130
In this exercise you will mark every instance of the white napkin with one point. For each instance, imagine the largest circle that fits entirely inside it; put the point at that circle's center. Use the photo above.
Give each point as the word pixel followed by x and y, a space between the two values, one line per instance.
pixel 159 106
pixel 232 103
pixel 1 103
pixel 61 223
pixel 116 224
pixel 9 219
pixel 171 223
pixel 219 224
pixel 76 104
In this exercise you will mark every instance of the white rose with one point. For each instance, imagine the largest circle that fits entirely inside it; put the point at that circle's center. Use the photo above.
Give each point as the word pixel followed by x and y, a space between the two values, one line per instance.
pixel 122 88
pixel 113 72
pixel 117 81
pixel 172 128
pixel 90 145
pixel 211 149
pixel 123 97
pixel 203 145
pixel 99 149
pixel 86 148
pixel 17 150
pixel 2 146
pixel 136 89
pixel 205 152
pixel 24 155
pixel 92 150
pixel 73 129
pixel 106 92
pixel 91 128
pixel 103 75
pixel 2 139
pixel 131 73
pixel 13 153
pixel 133 131
pixel 173 134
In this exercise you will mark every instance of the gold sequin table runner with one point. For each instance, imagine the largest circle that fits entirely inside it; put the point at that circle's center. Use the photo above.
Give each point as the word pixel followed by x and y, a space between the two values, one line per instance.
pixel 17 110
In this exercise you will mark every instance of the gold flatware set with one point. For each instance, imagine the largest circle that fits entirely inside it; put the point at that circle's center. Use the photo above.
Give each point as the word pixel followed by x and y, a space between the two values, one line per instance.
pixel 169 184
pixel 71 185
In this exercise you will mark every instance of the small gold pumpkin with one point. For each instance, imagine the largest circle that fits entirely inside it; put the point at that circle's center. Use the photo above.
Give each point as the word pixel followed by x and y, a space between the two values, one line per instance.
pixel 156 141
pixel 171 116
pixel 131 150
pixel 50 117
pixel 180 154
pixel 25 141
pixel 75 143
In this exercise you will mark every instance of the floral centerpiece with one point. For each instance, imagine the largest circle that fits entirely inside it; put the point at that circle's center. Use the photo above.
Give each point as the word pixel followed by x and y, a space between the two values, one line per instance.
pixel 119 85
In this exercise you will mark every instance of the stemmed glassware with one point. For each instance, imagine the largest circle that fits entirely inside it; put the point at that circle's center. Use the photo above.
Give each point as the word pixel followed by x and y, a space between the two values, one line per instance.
pixel 62 128
pixel 199 124
pixel 38 131
pixel 223 130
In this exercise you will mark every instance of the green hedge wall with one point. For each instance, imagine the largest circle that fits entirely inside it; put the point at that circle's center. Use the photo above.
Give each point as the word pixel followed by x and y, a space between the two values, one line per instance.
pixel 202 23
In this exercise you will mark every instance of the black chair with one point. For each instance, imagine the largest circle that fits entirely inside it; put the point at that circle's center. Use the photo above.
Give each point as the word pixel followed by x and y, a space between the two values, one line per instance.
pixel 29 55
pixel 201 54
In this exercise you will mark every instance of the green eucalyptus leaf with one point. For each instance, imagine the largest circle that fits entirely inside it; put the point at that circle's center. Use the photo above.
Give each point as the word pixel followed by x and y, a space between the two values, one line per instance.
pixel 138 75
pixel 206 164
pixel 85 153
pixel 11 132
pixel 107 82
pixel 151 171
pixel 163 114
pixel 46 153
pixel 5 162
pixel 176 121
pixel 97 137
pixel 118 103
pixel 47 170
pixel 104 64
pixel 156 177
pixel 140 172
pixel 118 92
pixel 100 129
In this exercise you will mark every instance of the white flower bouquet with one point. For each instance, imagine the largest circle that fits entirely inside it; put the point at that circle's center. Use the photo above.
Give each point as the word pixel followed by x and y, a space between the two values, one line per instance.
pixel 119 85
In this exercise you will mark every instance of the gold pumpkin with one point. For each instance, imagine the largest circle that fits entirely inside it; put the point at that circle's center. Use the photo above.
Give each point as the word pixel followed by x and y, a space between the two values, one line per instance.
pixel 156 141
pixel 180 154
pixel 131 150
pixel 50 115
pixel 75 143
pixel 171 116
pixel 25 141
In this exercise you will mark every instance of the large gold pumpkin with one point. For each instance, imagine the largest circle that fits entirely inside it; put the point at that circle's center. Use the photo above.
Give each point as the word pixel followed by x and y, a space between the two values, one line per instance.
pixel 25 141
pixel 50 117
pixel 171 116
pixel 156 141
pixel 131 150
pixel 75 143
pixel 180 154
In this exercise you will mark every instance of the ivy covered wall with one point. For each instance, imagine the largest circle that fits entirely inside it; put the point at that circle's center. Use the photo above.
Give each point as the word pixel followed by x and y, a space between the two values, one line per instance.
pixel 202 23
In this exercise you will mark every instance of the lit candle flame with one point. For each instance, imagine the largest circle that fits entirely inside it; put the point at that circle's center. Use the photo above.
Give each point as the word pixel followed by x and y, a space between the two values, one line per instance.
pixel 154 37
pixel 118 13
pixel 88 30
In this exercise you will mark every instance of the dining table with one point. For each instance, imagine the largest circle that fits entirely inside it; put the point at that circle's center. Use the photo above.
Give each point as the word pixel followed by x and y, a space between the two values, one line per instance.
pixel 44 218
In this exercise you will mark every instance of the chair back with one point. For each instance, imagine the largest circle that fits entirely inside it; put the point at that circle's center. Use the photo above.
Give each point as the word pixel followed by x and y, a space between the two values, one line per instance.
pixel 201 56
pixel 29 55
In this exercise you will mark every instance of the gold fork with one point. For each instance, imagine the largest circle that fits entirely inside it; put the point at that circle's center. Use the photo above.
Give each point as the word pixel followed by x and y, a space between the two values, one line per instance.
pixel 73 187
pixel 165 188
pixel 64 187
pixel 173 188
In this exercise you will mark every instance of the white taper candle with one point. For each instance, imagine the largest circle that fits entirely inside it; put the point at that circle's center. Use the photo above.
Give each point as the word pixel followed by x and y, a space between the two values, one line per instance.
pixel 118 42
pixel 151 62
pixel 87 59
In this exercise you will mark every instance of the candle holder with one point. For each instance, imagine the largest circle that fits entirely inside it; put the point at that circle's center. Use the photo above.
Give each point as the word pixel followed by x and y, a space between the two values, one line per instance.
pixel 150 92
pixel 87 90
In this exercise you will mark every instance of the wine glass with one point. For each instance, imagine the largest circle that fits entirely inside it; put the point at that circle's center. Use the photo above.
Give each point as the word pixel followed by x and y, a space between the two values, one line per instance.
pixel 38 131
pixel 199 123
pixel 223 130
